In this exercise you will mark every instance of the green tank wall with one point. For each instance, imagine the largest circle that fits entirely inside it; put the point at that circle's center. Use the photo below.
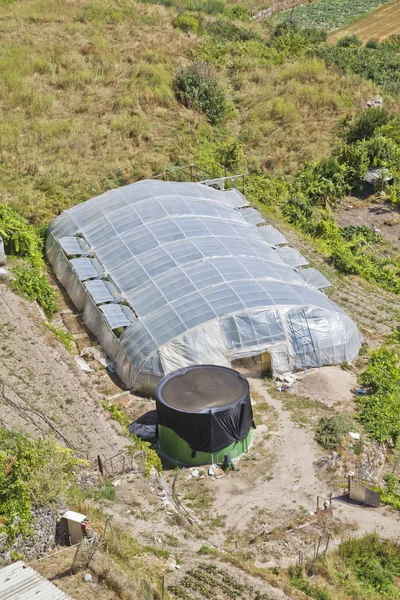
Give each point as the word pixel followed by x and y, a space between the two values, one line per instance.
pixel 176 448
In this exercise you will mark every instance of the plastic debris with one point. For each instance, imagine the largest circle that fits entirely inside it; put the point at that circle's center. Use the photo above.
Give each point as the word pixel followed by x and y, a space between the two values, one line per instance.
pixel 145 432
pixel 83 365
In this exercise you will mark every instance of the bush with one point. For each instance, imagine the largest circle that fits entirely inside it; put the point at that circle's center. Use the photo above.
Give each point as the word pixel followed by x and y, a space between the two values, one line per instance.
pixel 374 562
pixel 31 472
pixel 31 282
pixel 372 43
pixel 356 160
pixel 366 123
pixel 331 430
pixel 349 41
pixel 230 154
pixel 197 87
pixel 379 411
pixel 187 23
pixel 222 29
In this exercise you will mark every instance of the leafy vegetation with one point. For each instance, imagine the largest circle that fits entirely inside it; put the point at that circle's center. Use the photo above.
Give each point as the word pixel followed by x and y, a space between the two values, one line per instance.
pixel 197 87
pixel 377 61
pixel 21 239
pixel 331 14
pixel 374 562
pixel 330 431
pixel 151 458
pixel 32 472
pixel 364 568
pixel 379 411
pixel 65 337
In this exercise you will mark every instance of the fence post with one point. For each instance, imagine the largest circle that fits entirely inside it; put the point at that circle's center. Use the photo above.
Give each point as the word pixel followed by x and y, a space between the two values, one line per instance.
pixel 100 464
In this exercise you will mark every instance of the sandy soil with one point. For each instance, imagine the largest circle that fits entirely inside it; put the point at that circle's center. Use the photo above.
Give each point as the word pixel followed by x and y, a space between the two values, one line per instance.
pixel 40 375
pixel 371 214
pixel 329 385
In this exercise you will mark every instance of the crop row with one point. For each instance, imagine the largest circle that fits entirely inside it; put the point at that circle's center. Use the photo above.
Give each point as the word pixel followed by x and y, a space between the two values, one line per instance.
pixel 330 14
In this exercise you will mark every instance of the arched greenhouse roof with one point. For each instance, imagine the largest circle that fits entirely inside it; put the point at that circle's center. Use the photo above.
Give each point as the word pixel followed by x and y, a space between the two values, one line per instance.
pixel 187 272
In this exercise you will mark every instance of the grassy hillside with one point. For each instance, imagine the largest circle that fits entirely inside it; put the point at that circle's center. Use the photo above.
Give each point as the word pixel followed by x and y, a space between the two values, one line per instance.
pixel 87 100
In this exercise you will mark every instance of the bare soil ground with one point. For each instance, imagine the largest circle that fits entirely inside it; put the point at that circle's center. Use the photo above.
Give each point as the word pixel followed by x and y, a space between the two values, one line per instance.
pixel 380 24
pixel 40 375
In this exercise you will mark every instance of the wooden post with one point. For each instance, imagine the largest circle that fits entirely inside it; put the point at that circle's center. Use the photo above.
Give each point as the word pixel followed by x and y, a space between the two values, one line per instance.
pixel 101 465
pixel 319 543
pixel 76 556
pixel 327 542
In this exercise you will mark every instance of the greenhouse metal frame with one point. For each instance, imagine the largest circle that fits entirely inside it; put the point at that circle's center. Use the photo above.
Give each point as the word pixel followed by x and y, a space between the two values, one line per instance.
pixel 170 274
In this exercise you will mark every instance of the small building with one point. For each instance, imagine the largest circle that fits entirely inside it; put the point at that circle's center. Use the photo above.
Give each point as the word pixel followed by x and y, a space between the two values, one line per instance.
pixel 204 412
pixel 18 581
pixel 376 180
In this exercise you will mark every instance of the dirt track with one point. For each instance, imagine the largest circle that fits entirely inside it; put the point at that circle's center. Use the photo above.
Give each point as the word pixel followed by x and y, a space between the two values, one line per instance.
pixel 39 374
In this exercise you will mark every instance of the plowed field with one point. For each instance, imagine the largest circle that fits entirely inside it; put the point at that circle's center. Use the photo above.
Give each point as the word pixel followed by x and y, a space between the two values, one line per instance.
pixel 380 24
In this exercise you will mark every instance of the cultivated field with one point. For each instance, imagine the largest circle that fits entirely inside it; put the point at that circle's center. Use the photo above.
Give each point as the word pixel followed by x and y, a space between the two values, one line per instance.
pixel 332 14
pixel 382 23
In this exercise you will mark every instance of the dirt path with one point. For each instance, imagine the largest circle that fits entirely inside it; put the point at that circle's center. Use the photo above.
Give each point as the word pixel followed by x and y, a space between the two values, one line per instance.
pixel 294 483
pixel 40 375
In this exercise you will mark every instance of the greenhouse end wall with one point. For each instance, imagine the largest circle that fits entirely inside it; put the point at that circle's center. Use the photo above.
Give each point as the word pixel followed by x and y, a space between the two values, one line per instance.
pixel 171 274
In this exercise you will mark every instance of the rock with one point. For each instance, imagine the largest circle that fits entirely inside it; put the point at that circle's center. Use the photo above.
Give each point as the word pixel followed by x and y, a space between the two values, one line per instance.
pixel 354 435
pixel 171 563
pixel 87 578
pixel 195 473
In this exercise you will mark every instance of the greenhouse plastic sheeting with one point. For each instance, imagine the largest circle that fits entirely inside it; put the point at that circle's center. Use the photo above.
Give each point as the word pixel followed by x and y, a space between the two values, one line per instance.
pixel 271 235
pixel 194 280
pixel 291 256
pixel 315 278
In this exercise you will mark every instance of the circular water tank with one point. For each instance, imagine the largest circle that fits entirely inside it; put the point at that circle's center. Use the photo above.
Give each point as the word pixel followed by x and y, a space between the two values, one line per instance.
pixel 204 412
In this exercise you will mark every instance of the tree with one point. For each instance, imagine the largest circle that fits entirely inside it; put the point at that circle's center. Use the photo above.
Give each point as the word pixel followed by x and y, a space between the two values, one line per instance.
pixel 366 124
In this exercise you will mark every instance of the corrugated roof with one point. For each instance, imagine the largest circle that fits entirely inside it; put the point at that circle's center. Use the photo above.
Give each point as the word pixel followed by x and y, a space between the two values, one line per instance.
pixel 18 582
pixel 374 175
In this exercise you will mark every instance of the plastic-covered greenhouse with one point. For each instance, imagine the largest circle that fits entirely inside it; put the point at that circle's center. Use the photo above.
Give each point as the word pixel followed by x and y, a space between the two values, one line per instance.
pixel 169 274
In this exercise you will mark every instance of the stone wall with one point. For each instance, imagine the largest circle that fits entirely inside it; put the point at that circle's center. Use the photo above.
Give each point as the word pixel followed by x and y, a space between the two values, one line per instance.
pixel 43 540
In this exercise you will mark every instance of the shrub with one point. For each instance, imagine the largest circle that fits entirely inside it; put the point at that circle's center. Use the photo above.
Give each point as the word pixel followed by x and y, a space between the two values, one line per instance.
pixel 356 160
pixel 379 411
pixel 197 87
pixel 238 11
pixel 374 562
pixel 330 431
pixel 222 29
pixel 284 110
pixel 31 472
pixel 366 123
pixel 31 282
pixel 372 43
pixel 349 41
pixel 187 23
pixel 230 154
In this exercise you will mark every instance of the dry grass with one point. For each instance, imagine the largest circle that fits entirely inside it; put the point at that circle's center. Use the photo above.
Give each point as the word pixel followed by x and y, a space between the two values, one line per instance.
pixel 380 24
pixel 87 104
